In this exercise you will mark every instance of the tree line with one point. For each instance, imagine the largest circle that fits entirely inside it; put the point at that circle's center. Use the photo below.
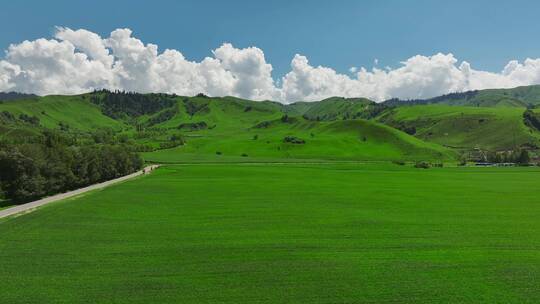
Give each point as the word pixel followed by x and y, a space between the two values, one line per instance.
pixel 51 165
pixel 519 156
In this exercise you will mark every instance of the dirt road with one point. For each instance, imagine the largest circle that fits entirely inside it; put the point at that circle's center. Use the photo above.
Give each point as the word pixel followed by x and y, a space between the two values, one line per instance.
pixel 35 204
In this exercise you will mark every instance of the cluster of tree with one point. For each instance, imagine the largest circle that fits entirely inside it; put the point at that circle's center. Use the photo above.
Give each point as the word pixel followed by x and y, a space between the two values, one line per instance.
pixel 407 128
pixel 193 126
pixel 33 170
pixel 162 116
pixel 531 119
pixel 286 119
pixel 520 157
pixel 193 107
pixel 120 104
pixel 8 117
pixel 371 111
pixel 15 96
pixel 394 102
pixel 175 140
pixel 293 140
pixel 33 120
pixel 427 165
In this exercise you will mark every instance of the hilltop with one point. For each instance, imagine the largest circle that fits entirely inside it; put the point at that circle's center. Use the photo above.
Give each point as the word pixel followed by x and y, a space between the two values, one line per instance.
pixel 525 96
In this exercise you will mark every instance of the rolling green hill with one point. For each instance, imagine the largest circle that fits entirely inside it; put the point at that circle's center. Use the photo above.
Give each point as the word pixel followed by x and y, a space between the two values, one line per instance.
pixel 500 128
pixel 230 128
pixel 340 140
pixel 75 111
pixel 515 97
pixel 333 108
pixel 234 127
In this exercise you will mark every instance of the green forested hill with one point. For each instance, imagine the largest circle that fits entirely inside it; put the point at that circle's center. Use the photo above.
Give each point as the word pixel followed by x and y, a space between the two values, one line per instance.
pixel 515 97
pixel 178 128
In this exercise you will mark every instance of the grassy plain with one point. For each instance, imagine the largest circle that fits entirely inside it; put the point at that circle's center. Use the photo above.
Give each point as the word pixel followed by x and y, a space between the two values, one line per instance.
pixel 270 233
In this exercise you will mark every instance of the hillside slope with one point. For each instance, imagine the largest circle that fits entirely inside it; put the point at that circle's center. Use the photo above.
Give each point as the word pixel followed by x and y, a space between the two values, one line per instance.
pixel 334 108
pixel 500 128
pixel 515 97
pixel 230 130
pixel 75 111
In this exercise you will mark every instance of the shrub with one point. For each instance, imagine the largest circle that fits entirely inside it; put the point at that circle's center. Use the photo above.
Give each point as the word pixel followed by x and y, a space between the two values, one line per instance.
pixel 193 126
pixel 293 140
pixel 398 162
pixel 218 153
pixel 263 125
pixel 422 165
pixel 244 155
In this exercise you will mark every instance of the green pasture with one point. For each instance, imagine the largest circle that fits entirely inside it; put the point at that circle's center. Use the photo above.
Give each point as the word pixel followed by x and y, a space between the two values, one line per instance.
pixel 284 233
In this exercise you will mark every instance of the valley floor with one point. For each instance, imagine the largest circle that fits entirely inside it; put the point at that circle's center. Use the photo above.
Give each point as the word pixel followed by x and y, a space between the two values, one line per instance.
pixel 283 233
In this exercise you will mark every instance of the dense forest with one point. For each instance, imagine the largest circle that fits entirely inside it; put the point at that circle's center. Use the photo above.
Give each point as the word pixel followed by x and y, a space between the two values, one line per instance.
pixel 53 163
pixel 125 105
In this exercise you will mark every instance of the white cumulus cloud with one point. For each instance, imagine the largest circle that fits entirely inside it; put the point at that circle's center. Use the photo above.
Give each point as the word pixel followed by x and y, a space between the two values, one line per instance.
pixel 77 61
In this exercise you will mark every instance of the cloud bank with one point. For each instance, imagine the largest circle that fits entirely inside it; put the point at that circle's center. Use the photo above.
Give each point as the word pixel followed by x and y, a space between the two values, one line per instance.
pixel 77 61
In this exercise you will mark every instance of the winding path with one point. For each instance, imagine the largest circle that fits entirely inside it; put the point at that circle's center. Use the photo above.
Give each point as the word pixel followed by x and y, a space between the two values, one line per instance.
pixel 60 196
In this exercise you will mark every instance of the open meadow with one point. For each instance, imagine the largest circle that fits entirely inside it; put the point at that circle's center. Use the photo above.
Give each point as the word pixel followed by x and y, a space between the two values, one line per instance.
pixel 283 233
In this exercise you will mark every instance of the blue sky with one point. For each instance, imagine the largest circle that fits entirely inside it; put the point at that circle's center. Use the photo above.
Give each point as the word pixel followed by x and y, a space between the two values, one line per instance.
pixel 422 48
pixel 338 34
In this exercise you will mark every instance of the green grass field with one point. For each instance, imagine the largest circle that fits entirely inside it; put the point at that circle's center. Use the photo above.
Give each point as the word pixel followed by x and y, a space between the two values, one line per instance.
pixel 267 233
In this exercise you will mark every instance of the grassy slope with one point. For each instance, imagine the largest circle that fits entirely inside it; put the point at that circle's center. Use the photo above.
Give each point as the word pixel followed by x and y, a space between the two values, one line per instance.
pixel 284 234
pixel 465 127
pixel 514 97
pixel 73 110
pixel 233 131
pixel 332 108
pixel 519 96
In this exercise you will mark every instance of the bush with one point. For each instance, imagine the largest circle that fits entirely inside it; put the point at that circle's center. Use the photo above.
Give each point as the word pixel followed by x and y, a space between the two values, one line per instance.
pixel 293 140
pixel 193 126
pixel 164 115
pixel 33 120
pixel 218 153
pixel 398 162
pixel 422 165
pixel 244 155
